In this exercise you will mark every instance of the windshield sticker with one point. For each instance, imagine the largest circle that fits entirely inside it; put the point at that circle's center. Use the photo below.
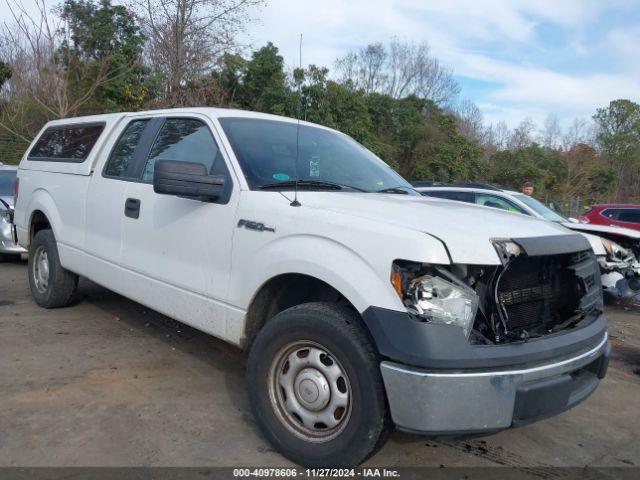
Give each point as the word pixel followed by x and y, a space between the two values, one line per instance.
pixel 314 167
pixel 281 177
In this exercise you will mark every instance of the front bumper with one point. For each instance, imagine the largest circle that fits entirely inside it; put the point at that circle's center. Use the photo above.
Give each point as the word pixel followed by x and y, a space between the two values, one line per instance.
pixel 473 401
pixel 8 244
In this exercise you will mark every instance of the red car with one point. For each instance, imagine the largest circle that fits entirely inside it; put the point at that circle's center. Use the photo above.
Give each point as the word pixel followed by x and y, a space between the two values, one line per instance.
pixel 616 214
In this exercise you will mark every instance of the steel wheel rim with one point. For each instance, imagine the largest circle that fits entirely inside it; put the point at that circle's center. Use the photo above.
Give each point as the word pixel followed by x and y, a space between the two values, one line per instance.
pixel 310 391
pixel 41 269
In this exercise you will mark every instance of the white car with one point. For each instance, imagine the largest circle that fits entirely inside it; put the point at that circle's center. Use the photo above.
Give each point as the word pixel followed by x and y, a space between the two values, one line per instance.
pixel 616 248
pixel 363 304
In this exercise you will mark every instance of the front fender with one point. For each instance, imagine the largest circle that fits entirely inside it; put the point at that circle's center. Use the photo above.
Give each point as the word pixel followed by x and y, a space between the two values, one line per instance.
pixel 325 259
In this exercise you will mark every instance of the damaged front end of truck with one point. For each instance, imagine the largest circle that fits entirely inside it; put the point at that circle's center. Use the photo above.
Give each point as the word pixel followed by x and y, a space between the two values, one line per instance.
pixel 528 296
pixel 501 345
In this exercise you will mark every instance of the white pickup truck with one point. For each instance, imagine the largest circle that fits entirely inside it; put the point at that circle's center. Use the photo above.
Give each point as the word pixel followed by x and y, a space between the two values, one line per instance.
pixel 363 304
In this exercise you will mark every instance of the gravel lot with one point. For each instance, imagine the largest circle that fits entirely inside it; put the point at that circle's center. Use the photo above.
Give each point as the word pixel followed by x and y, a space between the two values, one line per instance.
pixel 108 382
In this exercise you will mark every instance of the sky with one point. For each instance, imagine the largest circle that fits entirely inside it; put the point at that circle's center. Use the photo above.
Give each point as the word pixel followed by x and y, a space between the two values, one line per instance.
pixel 515 59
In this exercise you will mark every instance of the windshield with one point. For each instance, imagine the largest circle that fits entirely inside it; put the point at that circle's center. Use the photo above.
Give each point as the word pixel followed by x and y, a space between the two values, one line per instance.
pixel 6 183
pixel 266 151
pixel 541 209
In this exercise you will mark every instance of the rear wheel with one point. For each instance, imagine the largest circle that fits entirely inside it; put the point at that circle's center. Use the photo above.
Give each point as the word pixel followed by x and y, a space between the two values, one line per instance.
pixel 51 285
pixel 315 386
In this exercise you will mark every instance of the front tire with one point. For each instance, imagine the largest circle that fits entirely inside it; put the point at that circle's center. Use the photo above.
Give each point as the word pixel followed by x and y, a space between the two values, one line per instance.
pixel 315 387
pixel 51 285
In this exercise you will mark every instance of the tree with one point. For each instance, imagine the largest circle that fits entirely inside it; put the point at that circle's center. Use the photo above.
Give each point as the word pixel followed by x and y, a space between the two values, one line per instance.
pixel 188 37
pixel 264 86
pixel 470 122
pixel 522 135
pixel 103 37
pixel 399 70
pixel 5 72
pixel 551 132
pixel 619 138
pixel 62 64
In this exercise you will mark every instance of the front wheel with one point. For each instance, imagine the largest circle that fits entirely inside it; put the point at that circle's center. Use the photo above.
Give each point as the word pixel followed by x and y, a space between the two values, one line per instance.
pixel 315 386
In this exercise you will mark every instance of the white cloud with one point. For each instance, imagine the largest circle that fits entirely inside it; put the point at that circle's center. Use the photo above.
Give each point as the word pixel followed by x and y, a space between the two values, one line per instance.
pixel 473 37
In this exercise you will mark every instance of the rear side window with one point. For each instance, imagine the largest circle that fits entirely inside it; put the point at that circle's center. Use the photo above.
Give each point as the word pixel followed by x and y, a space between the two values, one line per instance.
pixel 468 197
pixel 629 215
pixel 71 143
pixel 121 159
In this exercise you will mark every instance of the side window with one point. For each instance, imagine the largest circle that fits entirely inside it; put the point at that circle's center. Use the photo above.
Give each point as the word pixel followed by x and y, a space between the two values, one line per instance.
pixel 122 154
pixel 610 213
pixel 494 201
pixel 629 215
pixel 467 197
pixel 71 143
pixel 187 140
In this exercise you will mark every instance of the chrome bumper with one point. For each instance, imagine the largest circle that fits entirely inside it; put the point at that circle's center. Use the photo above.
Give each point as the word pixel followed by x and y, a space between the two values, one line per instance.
pixel 450 402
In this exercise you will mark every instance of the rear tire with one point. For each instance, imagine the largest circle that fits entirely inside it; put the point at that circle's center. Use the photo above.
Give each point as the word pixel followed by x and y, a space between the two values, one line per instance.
pixel 51 285
pixel 315 386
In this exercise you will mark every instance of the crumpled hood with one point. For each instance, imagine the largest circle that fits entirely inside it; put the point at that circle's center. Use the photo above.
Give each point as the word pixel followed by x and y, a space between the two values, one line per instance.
pixel 465 229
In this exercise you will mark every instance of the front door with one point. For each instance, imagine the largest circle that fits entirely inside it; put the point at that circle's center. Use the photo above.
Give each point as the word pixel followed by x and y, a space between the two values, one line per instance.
pixel 177 251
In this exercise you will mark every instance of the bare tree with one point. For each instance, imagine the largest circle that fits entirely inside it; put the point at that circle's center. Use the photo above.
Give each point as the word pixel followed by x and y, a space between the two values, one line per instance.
pixel 579 132
pixel 551 132
pixel 521 137
pixel 399 69
pixel 31 44
pixel 471 122
pixel 501 135
pixel 187 37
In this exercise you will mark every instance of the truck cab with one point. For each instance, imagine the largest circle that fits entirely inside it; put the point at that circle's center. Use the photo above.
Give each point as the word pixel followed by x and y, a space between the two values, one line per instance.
pixel 362 304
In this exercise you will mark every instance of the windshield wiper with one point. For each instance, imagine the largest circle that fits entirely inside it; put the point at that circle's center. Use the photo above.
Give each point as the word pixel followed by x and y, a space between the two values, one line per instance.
pixel 307 183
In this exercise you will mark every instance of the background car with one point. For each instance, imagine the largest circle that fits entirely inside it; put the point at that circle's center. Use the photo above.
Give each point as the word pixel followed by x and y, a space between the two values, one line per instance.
pixel 8 245
pixel 618 214
pixel 618 248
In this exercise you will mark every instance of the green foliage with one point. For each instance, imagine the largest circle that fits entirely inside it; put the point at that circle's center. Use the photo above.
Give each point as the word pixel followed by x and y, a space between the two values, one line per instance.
pixel 542 166
pixel 5 72
pixel 104 48
pixel 264 87
pixel 619 129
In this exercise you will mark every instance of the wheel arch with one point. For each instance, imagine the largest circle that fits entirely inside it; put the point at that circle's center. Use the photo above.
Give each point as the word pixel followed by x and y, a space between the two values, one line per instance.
pixel 284 291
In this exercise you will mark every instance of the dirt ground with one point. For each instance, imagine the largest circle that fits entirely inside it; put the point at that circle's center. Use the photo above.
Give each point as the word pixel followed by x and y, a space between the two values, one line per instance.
pixel 108 382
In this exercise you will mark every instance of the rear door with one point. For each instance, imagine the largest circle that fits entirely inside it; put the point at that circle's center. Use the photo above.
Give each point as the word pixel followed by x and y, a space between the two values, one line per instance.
pixel 177 251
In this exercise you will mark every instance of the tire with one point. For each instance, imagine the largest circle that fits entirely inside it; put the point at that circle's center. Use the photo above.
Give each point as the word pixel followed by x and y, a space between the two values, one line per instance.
pixel 51 285
pixel 350 368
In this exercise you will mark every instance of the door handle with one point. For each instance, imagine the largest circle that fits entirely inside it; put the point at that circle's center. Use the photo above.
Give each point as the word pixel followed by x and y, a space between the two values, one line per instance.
pixel 132 208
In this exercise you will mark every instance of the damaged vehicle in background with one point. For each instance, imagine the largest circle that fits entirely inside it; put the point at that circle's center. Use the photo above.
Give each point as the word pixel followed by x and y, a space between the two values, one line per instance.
pixel 617 249
pixel 8 246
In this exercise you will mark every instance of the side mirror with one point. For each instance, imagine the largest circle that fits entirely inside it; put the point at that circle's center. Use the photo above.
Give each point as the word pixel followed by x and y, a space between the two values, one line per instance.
pixel 186 179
